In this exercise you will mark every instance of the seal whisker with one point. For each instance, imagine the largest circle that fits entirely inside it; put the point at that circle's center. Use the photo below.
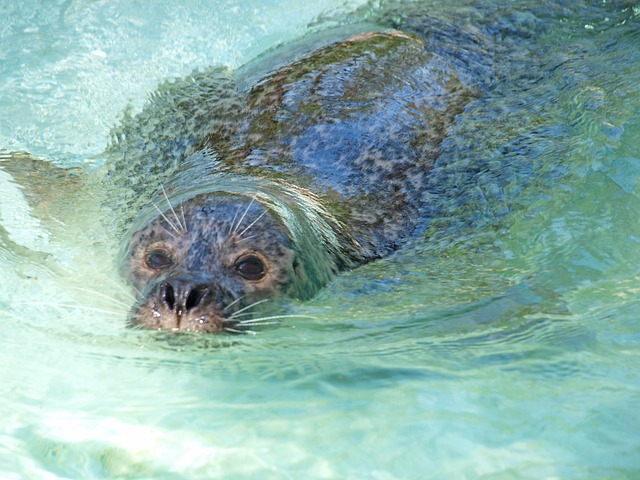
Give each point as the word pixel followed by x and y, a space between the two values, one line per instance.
pixel 67 305
pixel 169 232
pixel 243 215
pixel 125 289
pixel 273 317
pixel 99 294
pixel 166 219
pixel 184 221
pixel 233 222
pixel 234 302
pixel 248 307
pixel 175 215
pixel 241 314
pixel 258 324
pixel 247 238
pixel 233 330
pixel 136 326
pixel 252 223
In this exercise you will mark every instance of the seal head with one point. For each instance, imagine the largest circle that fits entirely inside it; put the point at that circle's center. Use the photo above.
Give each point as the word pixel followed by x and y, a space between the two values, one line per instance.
pixel 204 266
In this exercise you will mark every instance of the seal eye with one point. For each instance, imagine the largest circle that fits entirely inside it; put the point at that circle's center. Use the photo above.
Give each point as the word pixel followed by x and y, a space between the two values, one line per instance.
pixel 251 268
pixel 159 259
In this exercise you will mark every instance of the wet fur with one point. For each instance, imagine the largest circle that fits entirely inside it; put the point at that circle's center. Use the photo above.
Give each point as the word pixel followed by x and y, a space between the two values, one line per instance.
pixel 335 145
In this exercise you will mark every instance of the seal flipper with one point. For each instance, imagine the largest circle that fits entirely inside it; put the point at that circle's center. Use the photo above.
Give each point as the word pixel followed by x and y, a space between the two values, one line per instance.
pixel 34 194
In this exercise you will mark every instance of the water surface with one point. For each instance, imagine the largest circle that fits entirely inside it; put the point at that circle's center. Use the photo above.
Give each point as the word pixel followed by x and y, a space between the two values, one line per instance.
pixel 502 342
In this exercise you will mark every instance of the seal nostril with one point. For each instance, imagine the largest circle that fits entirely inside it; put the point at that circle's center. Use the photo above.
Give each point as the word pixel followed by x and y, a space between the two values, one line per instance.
pixel 169 296
pixel 181 295
pixel 195 297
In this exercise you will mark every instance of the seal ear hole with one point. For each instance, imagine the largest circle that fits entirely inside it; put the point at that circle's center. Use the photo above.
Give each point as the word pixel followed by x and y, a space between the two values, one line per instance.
pixel 250 267
pixel 158 259
pixel 297 268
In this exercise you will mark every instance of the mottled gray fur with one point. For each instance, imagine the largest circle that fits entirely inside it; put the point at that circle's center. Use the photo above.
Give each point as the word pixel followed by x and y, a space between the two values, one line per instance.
pixel 334 147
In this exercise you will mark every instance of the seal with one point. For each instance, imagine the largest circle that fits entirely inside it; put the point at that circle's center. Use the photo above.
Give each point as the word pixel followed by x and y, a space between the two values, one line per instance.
pixel 309 166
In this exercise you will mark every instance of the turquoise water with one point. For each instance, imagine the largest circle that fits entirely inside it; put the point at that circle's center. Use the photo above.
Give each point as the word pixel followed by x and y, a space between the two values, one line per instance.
pixel 502 342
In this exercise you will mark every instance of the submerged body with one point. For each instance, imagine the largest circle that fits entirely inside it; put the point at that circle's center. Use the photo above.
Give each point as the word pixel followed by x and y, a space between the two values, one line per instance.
pixel 311 167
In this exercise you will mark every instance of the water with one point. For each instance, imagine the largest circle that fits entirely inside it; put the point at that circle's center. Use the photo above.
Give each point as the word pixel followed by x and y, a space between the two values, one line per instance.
pixel 503 342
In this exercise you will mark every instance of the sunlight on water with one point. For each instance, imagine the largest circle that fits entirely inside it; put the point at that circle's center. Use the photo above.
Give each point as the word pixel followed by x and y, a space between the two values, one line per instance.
pixel 503 341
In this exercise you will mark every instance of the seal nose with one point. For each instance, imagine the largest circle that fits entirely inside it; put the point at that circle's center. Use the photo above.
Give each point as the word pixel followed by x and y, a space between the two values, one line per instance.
pixel 182 295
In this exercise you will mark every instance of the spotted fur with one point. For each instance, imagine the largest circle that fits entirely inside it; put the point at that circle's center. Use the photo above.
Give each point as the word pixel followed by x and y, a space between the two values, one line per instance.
pixel 328 159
